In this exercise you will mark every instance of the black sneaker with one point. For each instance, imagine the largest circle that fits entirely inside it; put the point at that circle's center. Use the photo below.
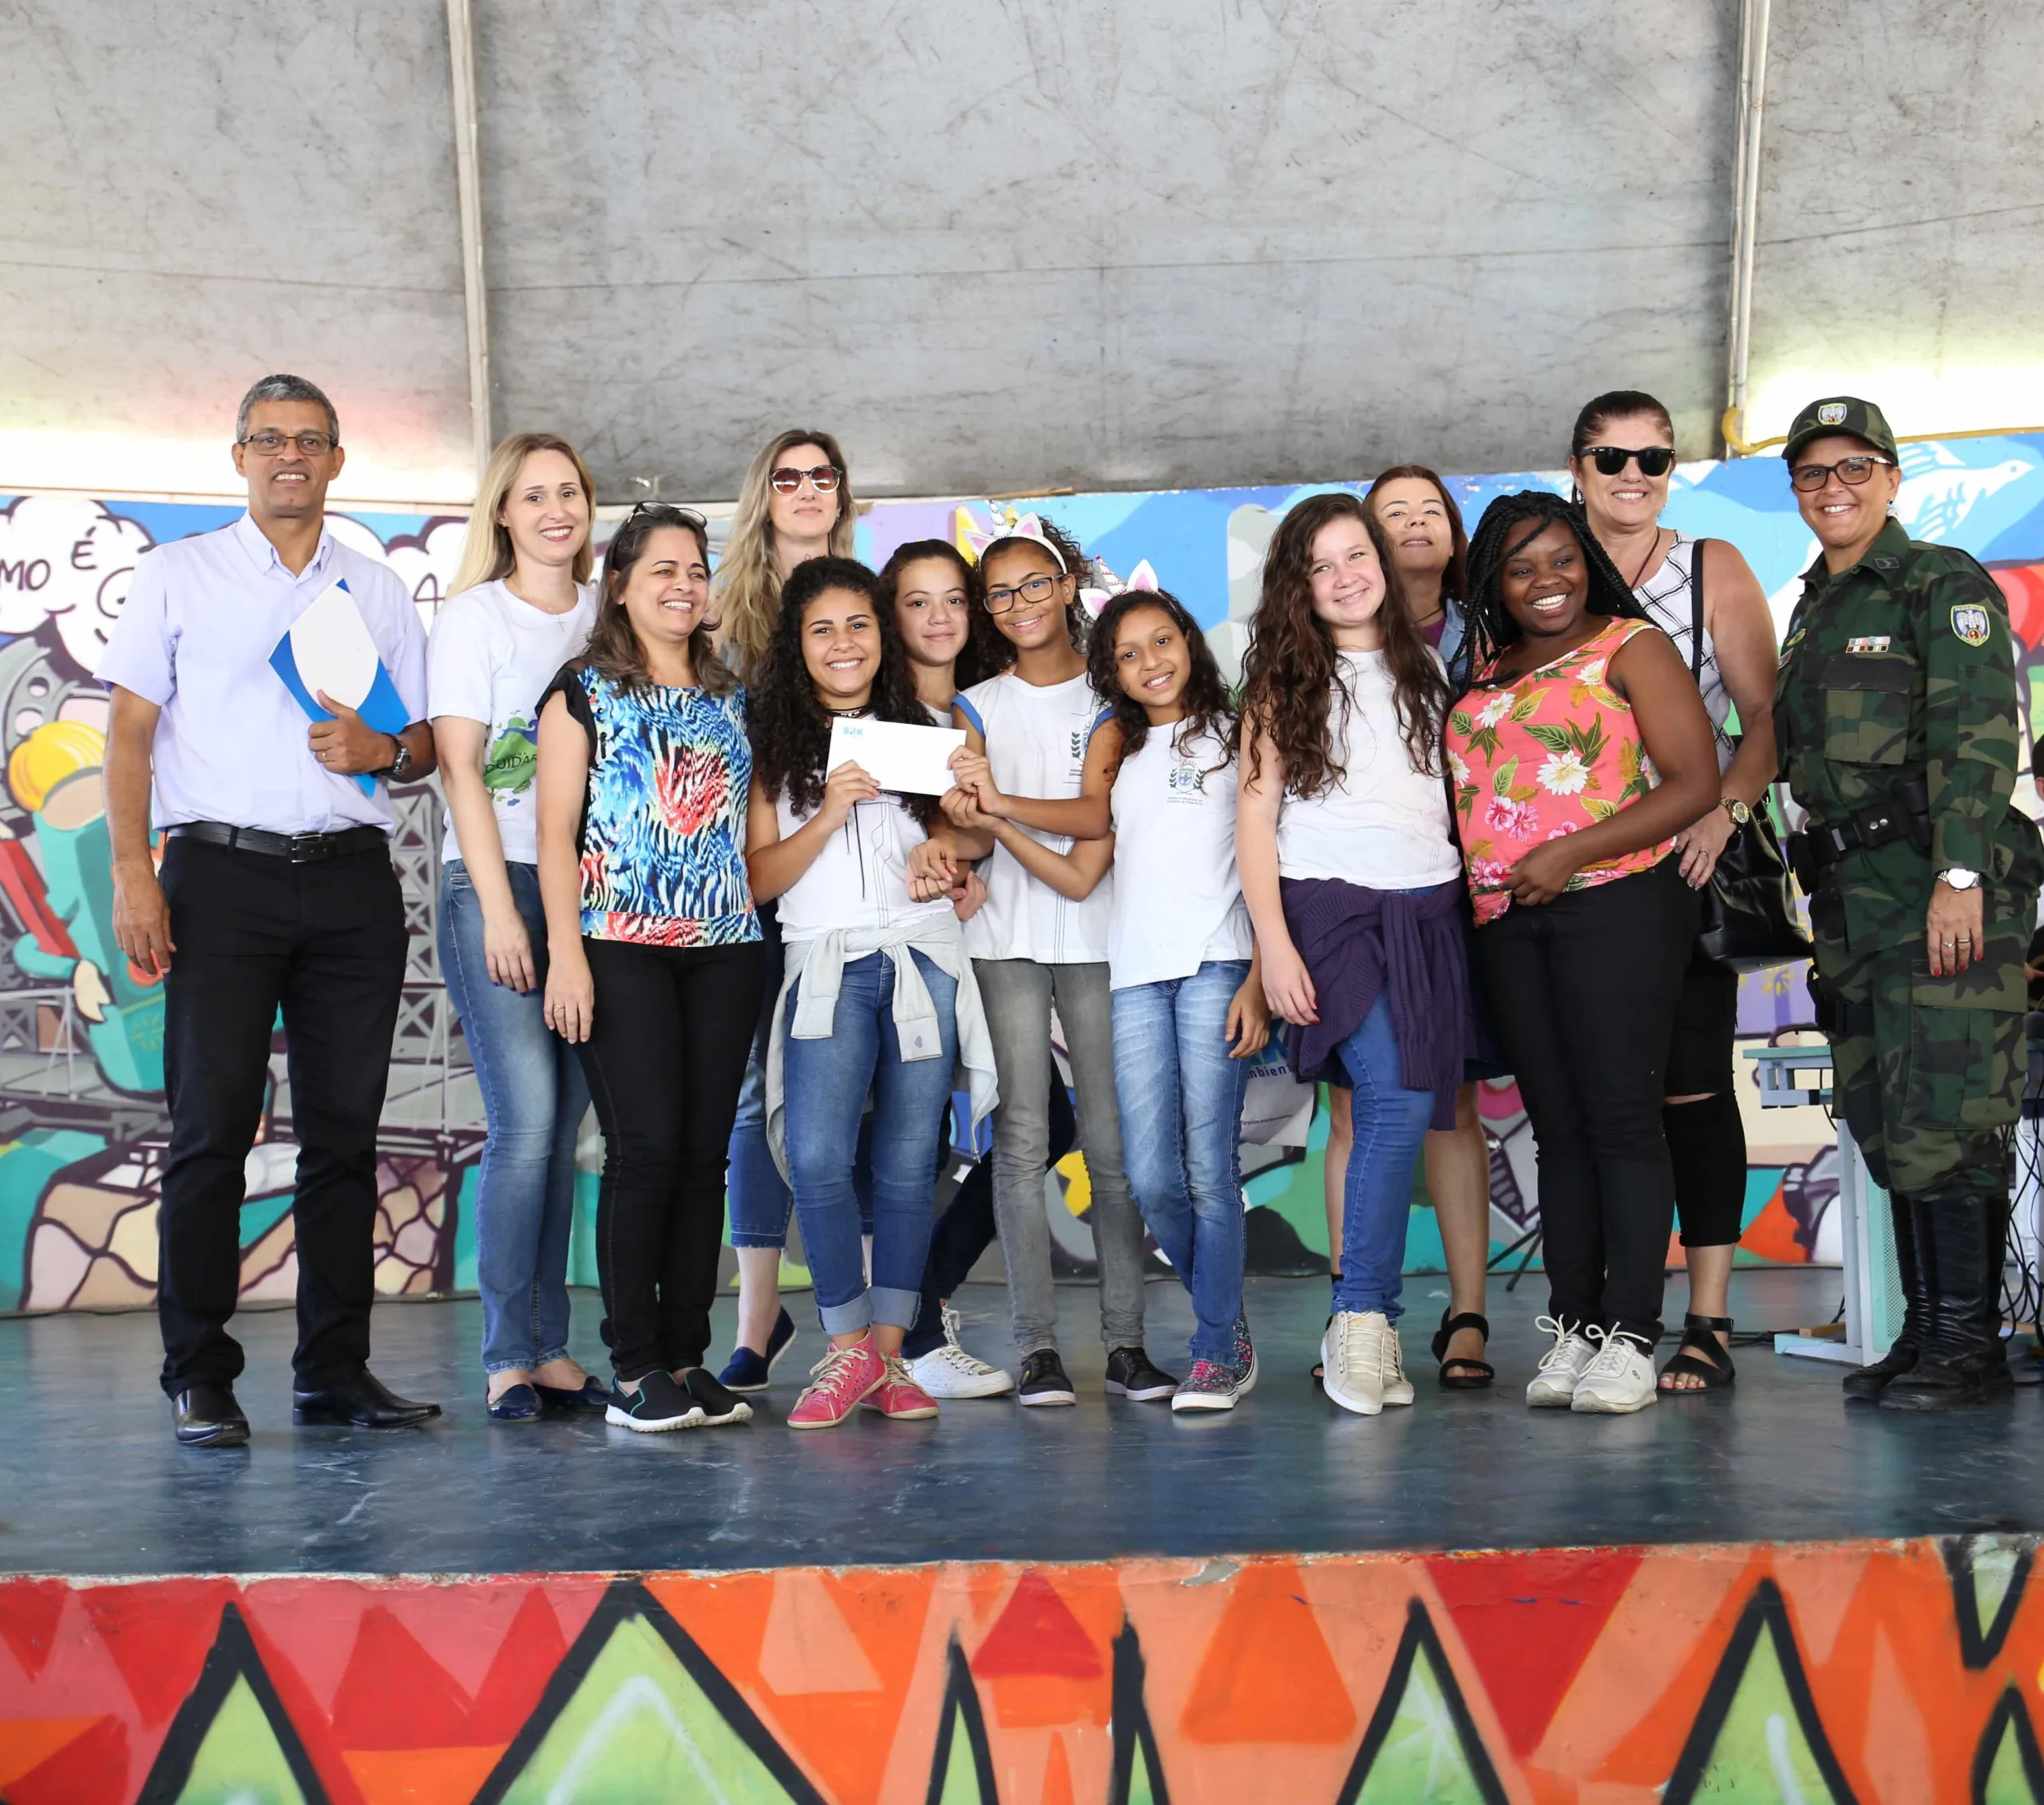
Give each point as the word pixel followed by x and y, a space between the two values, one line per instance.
pixel 718 1402
pixel 1044 1380
pixel 658 1405
pixel 1130 1375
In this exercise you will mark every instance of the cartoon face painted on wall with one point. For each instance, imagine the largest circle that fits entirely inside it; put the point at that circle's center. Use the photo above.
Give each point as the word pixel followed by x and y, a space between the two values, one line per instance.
pixel 68 561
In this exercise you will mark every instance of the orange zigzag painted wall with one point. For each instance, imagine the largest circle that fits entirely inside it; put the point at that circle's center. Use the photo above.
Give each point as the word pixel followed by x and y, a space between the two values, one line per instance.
pixel 1904 1672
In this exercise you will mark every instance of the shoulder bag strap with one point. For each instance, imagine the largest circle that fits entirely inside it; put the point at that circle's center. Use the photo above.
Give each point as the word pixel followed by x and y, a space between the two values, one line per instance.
pixel 1696 611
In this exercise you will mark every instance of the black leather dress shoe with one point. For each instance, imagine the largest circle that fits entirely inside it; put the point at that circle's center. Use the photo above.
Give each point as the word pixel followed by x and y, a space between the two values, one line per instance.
pixel 362 1401
pixel 206 1416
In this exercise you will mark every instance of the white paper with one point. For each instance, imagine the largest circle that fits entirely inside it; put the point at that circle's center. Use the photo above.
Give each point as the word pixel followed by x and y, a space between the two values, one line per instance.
pixel 330 644
pixel 896 757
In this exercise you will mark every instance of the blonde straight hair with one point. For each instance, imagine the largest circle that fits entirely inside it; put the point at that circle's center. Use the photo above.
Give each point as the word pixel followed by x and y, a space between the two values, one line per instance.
pixel 745 595
pixel 487 555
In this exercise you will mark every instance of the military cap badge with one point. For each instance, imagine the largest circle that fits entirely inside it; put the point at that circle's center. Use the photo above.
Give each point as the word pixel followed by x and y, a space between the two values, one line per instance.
pixel 1832 414
pixel 1969 621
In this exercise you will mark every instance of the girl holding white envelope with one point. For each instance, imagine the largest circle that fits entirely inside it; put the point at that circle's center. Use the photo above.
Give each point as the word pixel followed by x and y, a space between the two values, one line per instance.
pixel 878 996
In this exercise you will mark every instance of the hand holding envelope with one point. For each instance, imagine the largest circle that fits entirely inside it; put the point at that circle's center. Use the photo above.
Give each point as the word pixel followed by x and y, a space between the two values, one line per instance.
pixel 897 757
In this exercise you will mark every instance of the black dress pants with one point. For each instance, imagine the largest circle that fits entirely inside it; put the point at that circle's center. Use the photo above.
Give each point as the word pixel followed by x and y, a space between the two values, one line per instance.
pixel 665 1056
pixel 325 943
pixel 1583 991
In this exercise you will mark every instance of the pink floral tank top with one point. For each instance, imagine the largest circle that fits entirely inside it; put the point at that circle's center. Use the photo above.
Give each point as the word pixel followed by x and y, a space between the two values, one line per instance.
pixel 1541 756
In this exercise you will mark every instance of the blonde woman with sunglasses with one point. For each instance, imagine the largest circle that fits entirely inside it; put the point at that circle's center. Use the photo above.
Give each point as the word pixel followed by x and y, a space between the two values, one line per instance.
pixel 795 504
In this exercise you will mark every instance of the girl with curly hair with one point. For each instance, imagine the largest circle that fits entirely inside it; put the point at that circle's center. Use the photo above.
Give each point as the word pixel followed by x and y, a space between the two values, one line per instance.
pixel 1580 753
pixel 878 995
pixel 1351 875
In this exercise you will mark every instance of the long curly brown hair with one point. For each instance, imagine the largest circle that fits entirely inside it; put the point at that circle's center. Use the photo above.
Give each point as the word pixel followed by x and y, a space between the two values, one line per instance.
pixel 790 730
pixel 613 649
pixel 1291 665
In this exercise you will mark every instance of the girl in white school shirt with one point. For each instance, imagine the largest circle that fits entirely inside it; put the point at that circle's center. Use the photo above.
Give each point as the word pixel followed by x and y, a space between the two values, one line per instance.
pixel 1189 1010
pixel 1034 764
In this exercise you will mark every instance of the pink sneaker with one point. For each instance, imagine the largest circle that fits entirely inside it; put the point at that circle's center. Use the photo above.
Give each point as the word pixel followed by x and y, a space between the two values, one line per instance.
pixel 898 1397
pixel 836 1383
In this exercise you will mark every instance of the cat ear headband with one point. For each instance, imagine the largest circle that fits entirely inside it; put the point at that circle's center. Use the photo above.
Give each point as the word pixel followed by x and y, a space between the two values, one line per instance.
pixel 1013 526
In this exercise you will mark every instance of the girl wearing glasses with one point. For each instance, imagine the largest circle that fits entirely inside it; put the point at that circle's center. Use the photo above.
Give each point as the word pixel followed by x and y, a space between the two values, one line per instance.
pixel 1704 596
pixel 1034 764
pixel 795 504
pixel 522 607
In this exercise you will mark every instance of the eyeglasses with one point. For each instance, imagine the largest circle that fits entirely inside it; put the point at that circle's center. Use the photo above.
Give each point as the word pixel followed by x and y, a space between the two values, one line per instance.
pixel 669 514
pixel 1851 471
pixel 824 478
pixel 1030 589
pixel 1610 459
pixel 310 444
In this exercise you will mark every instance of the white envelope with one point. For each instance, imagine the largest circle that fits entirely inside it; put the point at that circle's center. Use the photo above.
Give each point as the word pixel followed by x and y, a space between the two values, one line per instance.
pixel 914 759
pixel 330 645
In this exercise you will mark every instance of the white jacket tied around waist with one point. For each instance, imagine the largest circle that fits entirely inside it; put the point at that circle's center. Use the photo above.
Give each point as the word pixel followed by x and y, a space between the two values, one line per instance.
pixel 819 963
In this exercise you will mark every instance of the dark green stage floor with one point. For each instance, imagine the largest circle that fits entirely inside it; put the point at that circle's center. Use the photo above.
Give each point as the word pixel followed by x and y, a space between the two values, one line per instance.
pixel 92 1483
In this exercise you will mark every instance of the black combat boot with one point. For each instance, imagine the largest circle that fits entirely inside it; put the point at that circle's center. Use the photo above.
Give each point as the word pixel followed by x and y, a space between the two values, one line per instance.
pixel 1865 1383
pixel 1962 1362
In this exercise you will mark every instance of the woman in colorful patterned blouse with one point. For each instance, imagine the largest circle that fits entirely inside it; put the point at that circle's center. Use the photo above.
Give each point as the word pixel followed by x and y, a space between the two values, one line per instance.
pixel 1580 752
pixel 653 944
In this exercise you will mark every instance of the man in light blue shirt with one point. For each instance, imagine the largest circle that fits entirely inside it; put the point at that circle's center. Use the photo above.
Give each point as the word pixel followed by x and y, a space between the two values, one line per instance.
pixel 276 892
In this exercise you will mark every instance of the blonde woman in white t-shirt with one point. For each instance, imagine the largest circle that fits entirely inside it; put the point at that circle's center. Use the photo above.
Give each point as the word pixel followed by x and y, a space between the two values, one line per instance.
pixel 522 608
pixel 1033 778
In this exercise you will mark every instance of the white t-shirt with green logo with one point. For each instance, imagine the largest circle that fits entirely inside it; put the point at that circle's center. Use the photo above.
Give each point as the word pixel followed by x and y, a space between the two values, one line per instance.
pixel 490 658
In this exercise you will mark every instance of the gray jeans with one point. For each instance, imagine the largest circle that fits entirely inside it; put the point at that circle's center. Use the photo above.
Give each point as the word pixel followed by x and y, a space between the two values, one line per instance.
pixel 1016 994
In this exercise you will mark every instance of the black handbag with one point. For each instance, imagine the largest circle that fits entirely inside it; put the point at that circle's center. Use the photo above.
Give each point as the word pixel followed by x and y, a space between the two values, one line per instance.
pixel 1749 918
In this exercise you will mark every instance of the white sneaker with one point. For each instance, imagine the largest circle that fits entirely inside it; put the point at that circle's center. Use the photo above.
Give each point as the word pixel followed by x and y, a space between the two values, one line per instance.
pixel 1561 1367
pixel 949 1371
pixel 1365 1367
pixel 1619 1381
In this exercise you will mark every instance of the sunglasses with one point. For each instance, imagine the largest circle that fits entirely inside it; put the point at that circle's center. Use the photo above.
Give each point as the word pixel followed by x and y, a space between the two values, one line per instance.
pixel 824 478
pixel 1852 471
pixel 1610 459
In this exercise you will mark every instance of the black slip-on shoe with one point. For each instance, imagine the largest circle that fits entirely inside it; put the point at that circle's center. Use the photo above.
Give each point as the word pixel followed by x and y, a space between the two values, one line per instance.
pixel 591 1397
pixel 515 1404
pixel 657 1406
pixel 1132 1374
pixel 720 1403
pixel 360 1401
pixel 205 1415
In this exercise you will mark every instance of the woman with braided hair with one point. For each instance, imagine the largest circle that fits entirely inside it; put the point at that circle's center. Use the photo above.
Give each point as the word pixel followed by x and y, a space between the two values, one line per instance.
pixel 1581 750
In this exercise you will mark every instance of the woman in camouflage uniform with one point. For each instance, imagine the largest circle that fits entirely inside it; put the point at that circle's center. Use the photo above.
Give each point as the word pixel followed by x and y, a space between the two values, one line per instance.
pixel 1895 714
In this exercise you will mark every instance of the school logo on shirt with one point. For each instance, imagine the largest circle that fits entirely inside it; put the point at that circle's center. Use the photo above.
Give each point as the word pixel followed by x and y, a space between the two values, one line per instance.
pixel 1969 622
pixel 1079 746
pixel 514 759
pixel 1187 782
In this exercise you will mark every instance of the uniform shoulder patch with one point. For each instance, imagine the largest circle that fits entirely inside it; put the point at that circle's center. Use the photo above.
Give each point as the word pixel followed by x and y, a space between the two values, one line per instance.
pixel 1970 623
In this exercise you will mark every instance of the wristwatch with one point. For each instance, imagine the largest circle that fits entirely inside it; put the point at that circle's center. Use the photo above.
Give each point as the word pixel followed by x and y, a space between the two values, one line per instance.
pixel 1957 878
pixel 1740 815
pixel 400 767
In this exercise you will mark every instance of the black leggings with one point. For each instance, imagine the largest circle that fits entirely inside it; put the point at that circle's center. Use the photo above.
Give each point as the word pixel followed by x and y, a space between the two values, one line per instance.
pixel 1706 1139
pixel 1583 989
pixel 966 1229
pixel 665 1056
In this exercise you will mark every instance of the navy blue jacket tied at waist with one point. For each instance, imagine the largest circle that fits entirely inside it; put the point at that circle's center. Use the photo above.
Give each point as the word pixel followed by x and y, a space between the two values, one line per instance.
pixel 1358 943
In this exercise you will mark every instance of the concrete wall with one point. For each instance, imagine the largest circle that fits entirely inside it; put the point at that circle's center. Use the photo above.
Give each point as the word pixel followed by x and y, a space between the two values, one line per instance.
pixel 996 247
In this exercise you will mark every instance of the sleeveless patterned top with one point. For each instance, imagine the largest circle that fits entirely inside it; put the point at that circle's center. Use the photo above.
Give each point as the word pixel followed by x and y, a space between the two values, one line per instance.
pixel 1540 756
pixel 663 824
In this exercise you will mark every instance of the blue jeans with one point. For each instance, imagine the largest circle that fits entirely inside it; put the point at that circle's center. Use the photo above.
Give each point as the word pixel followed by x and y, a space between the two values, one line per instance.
pixel 1180 1099
pixel 1390 1122
pixel 755 1197
pixel 534 1095
pixel 825 1082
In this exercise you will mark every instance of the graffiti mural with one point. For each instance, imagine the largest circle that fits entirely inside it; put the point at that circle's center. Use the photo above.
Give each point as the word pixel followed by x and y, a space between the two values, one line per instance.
pixel 82 1120
pixel 1897 1672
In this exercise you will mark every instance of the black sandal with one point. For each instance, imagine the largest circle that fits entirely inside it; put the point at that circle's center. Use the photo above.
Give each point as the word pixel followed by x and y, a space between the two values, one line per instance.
pixel 1480 1372
pixel 1715 1369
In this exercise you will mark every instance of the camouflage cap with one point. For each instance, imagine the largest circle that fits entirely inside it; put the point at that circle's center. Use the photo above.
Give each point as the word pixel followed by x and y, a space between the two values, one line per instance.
pixel 1841 414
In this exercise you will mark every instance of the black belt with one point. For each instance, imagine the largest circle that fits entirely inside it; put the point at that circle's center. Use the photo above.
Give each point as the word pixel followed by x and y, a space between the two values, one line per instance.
pixel 1822 844
pixel 300 848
